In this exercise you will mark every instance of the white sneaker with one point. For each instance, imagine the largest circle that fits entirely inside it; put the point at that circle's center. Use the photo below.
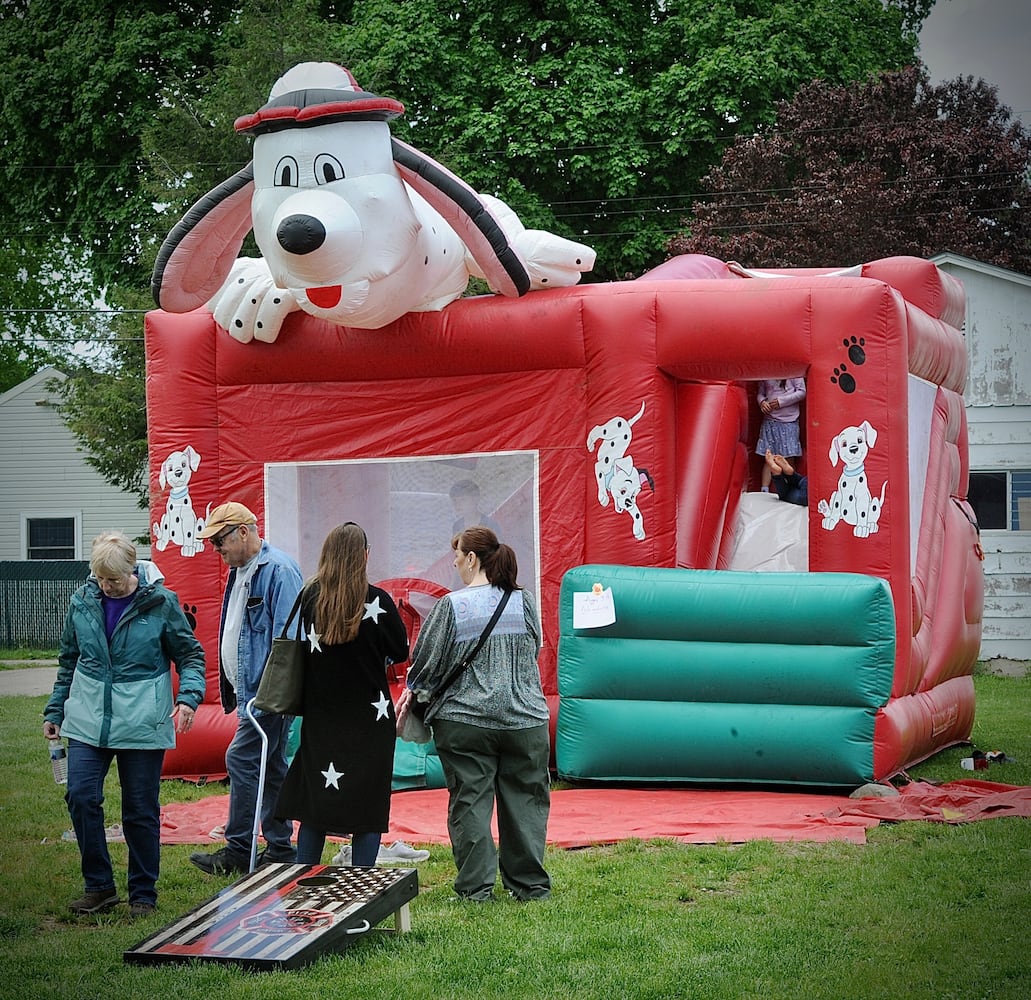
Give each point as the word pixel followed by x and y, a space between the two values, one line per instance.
pixel 400 851
pixel 113 835
pixel 397 851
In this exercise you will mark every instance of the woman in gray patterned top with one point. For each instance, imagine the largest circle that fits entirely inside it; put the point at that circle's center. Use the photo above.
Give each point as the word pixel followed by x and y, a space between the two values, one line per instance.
pixel 491 726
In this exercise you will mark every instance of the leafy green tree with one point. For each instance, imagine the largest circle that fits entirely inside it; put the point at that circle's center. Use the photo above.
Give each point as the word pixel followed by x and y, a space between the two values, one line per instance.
pixel 104 397
pixel 188 141
pixel 591 118
pixel 47 296
pixel 81 79
pixel 87 88
pixel 596 119
pixel 891 165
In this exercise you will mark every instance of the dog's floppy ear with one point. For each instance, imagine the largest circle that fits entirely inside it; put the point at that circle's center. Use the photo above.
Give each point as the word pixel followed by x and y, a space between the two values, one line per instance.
pixel 198 253
pixel 192 457
pixel 834 450
pixel 871 434
pixel 161 474
pixel 468 215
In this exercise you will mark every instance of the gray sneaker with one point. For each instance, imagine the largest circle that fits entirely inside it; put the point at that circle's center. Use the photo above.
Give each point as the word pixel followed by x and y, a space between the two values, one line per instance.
pixel 397 851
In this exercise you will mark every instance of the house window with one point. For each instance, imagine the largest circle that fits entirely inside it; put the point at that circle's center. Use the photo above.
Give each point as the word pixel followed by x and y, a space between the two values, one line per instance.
pixel 50 538
pixel 1002 500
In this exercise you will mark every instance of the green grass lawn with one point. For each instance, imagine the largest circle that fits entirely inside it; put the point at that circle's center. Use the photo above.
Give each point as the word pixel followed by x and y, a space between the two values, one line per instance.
pixel 15 659
pixel 923 910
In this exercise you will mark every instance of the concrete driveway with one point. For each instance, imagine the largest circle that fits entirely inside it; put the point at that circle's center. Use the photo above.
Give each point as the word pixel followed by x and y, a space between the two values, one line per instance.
pixel 28 680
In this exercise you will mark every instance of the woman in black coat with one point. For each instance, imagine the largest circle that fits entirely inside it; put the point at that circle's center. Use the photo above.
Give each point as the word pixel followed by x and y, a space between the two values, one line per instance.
pixel 339 780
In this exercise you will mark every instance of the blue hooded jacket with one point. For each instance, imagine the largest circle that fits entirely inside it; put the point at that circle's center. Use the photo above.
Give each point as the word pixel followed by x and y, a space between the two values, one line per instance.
pixel 119 694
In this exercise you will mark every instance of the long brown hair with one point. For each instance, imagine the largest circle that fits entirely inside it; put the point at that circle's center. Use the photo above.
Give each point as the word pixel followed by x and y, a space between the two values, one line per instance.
pixel 343 583
pixel 497 559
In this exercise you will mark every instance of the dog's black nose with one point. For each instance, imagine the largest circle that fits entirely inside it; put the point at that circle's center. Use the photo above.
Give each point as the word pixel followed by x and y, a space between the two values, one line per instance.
pixel 301 234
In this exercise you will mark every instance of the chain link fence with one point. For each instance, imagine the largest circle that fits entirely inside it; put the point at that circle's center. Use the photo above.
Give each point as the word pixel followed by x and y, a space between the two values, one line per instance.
pixel 34 597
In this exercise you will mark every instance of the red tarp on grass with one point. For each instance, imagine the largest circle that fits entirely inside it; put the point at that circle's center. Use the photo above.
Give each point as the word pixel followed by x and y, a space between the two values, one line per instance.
pixel 584 816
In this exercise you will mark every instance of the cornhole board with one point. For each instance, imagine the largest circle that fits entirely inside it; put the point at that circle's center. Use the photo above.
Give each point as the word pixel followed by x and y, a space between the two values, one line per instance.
pixel 284 916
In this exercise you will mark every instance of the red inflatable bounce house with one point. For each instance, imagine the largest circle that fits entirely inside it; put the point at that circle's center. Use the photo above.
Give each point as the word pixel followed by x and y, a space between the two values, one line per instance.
pixel 608 424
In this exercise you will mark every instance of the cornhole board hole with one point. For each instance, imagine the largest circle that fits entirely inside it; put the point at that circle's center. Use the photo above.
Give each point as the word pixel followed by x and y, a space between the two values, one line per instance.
pixel 284 916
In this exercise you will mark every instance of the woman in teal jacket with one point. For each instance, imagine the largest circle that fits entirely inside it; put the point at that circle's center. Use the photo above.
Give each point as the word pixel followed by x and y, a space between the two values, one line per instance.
pixel 113 701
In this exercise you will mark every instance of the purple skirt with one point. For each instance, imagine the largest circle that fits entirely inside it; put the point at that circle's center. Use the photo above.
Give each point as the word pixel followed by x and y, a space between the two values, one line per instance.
pixel 779 437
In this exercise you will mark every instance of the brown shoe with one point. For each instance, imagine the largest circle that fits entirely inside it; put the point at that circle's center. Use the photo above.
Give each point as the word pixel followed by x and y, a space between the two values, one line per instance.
pixel 95 902
pixel 139 910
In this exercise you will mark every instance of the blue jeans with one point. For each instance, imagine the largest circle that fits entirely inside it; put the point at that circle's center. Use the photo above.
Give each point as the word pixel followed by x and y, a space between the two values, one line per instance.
pixel 310 844
pixel 243 763
pixel 139 774
pixel 792 489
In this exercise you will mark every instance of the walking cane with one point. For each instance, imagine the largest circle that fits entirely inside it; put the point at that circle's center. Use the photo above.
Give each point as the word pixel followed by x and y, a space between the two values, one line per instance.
pixel 261 784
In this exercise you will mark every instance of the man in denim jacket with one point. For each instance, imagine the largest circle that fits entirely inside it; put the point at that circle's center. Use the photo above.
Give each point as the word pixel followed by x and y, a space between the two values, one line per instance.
pixel 263 584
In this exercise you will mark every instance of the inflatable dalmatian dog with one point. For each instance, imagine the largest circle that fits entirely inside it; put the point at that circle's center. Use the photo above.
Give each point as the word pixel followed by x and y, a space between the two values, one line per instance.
pixel 354 226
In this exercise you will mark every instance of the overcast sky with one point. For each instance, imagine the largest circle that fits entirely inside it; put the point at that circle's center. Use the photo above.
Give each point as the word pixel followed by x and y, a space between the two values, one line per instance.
pixel 985 39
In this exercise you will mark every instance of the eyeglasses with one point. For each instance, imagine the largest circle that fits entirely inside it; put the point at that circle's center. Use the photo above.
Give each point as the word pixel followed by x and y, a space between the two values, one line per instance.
pixel 219 540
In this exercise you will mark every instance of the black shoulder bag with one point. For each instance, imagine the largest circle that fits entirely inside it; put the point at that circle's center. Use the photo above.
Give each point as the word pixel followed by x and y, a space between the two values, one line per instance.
pixel 281 688
pixel 420 709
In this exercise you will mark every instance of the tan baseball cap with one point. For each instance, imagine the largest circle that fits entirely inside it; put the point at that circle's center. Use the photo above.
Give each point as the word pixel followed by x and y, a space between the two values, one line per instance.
pixel 226 515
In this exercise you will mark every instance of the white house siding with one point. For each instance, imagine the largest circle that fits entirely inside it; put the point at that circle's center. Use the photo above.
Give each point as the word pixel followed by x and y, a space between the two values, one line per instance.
pixel 1007 595
pixel 998 398
pixel 45 475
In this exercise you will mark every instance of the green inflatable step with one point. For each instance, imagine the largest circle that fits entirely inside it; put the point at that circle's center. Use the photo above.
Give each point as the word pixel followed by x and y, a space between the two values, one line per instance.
pixel 724 677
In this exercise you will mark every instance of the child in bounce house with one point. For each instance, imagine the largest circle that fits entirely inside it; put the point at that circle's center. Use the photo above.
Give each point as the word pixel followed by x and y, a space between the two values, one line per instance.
pixel 779 403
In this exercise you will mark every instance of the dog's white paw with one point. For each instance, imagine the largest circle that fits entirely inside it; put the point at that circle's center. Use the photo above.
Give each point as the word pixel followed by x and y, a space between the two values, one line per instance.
pixel 552 261
pixel 249 305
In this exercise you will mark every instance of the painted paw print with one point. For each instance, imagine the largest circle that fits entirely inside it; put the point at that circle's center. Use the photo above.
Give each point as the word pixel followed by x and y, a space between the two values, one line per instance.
pixel 856 354
pixel 842 377
pixel 190 610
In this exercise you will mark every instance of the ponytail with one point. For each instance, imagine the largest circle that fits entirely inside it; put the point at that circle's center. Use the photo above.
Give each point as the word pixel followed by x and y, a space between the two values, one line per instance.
pixel 497 559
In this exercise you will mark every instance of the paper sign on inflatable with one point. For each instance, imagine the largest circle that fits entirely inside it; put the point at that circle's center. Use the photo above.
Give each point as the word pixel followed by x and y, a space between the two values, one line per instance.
pixel 694 630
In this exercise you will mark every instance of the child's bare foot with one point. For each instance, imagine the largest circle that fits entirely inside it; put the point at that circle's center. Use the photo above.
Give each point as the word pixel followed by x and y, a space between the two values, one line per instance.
pixel 786 468
pixel 772 463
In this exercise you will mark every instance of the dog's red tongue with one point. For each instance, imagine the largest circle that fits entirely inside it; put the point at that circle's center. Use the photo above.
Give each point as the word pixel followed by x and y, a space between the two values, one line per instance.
pixel 324 298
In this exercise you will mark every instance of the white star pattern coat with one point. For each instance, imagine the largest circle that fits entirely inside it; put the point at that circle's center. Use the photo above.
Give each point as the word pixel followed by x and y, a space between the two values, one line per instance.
pixel 340 776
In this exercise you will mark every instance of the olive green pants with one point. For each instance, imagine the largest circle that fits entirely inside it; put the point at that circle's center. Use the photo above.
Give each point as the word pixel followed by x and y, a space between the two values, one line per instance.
pixel 509 766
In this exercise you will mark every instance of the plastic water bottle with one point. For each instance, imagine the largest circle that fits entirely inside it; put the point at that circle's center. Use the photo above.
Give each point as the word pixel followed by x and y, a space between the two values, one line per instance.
pixel 59 761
